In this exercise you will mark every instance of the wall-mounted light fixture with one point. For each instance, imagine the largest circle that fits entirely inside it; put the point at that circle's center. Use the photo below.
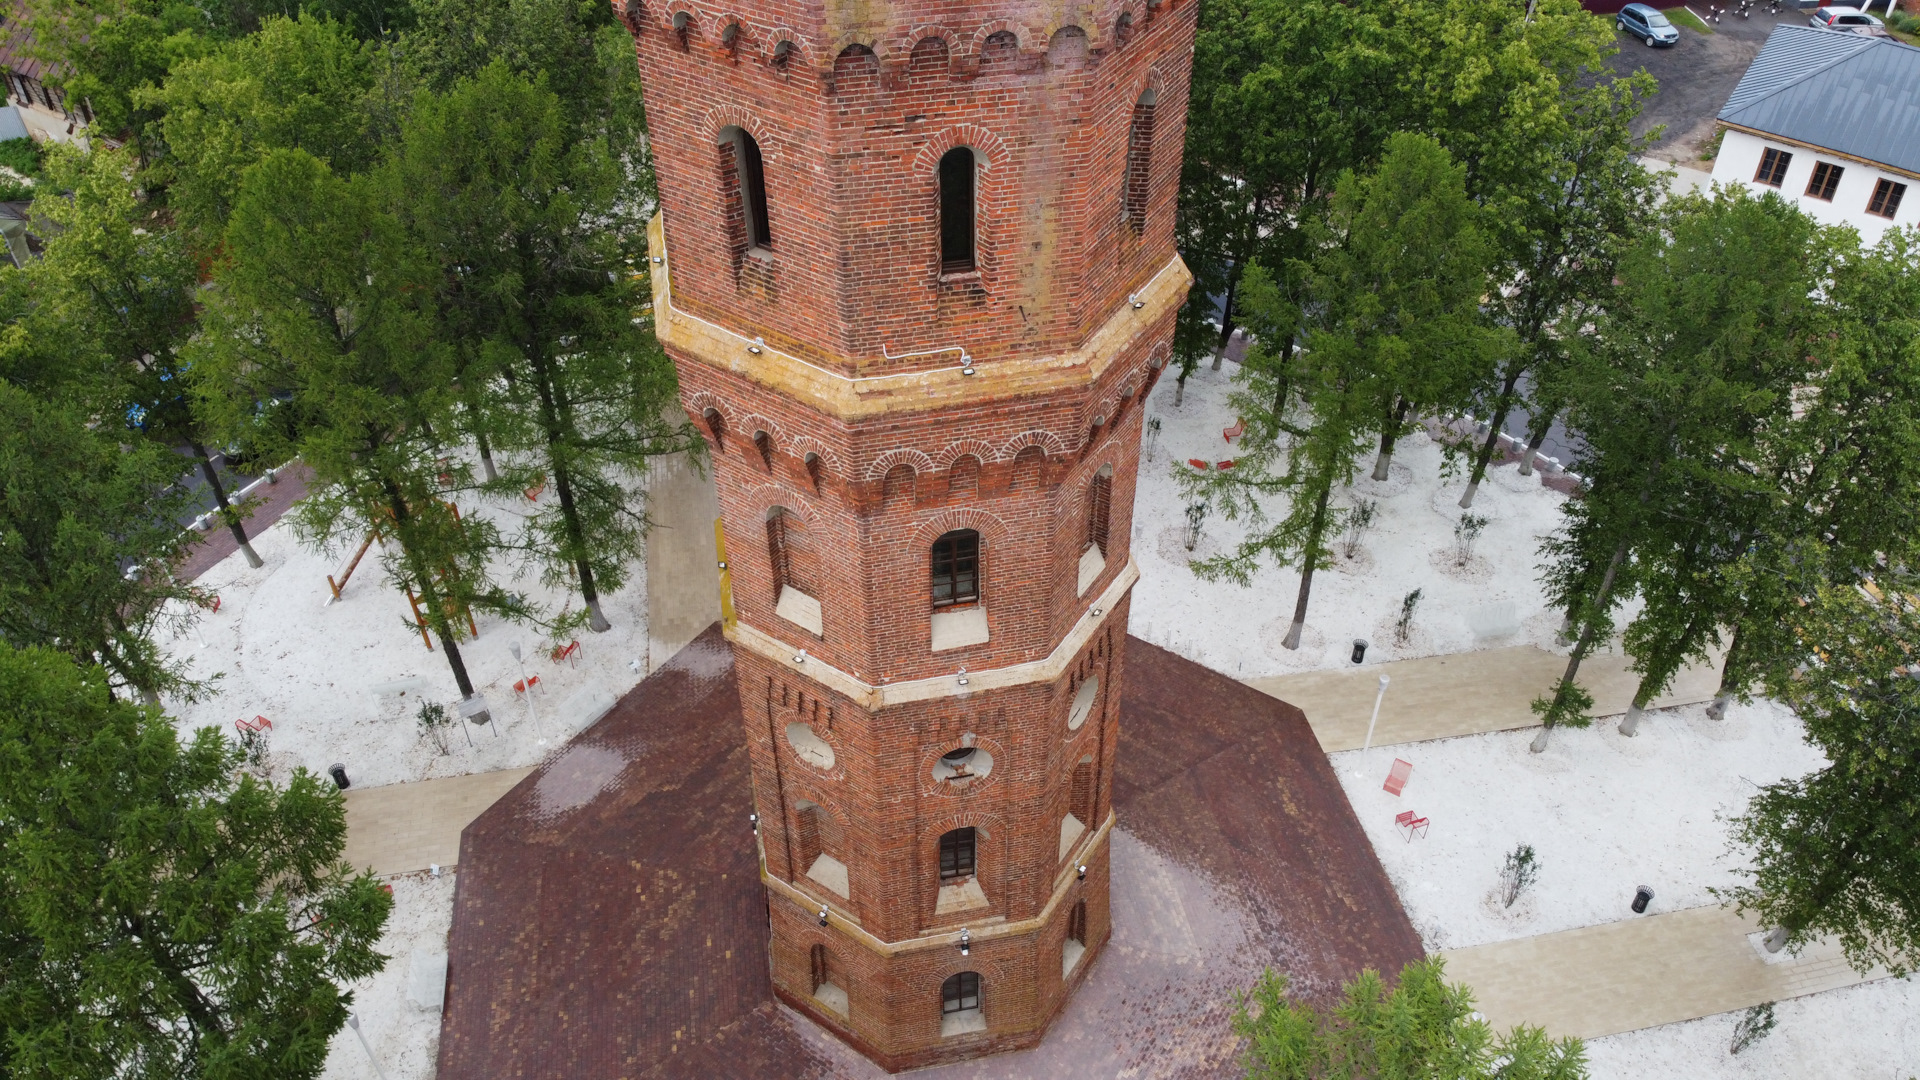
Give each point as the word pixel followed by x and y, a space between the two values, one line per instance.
pixel 723 564
pixel 800 657
pixel 823 914
pixel 1134 299
pixel 753 822
pixel 966 942
pixel 1081 870
pixel 759 345
pixel 962 677
pixel 659 259
pixel 1095 613
pixel 966 364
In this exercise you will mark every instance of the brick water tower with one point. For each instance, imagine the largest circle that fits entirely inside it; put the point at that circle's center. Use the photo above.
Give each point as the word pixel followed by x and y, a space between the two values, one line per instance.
pixel 914 263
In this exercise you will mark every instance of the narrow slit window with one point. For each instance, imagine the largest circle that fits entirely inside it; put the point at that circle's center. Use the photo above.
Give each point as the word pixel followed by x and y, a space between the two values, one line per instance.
pixel 753 190
pixel 1886 198
pixel 1826 180
pixel 1099 509
pixel 779 553
pixel 960 993
pixel 763 442
pixel 1139 162
pixel 956 211
pixel 956 855
pixel 1773 167
pixel 956 568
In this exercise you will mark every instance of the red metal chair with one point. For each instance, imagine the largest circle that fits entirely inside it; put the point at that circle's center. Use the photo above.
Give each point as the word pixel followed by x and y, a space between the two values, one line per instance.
pixel 258 723
pixel 1223 466
pixel 1410 824
pixel 1397 776
pixel 1198 464
pixel 1238 429
pixel 569 651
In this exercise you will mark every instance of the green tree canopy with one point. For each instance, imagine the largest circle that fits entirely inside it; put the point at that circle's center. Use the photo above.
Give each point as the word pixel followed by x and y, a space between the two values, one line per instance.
pixel 162 914
pixel 1422 1028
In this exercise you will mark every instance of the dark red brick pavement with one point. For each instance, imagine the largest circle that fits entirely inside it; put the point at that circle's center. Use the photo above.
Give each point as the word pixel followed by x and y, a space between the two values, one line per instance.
pixel 274 501
pixel 609 923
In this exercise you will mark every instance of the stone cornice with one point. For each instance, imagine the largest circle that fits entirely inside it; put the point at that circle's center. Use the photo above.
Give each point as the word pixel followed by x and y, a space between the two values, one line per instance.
pixel 874 698
pixel 849 397
pixel 993 926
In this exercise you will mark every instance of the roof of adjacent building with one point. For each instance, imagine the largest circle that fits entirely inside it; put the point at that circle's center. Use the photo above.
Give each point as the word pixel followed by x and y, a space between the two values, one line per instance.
pixel 16 42
pixel 1854 95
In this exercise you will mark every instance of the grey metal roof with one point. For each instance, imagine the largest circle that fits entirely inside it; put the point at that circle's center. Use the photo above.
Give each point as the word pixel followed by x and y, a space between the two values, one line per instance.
pixel 1854 95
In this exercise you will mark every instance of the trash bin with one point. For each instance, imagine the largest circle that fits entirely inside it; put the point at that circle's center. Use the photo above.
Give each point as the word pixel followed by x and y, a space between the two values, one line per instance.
pixel 1642 896
pixel 339 773
pixel 1359 649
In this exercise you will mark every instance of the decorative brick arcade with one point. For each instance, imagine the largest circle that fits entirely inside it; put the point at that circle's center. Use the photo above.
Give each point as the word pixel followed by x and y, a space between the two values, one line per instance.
pixel 915 266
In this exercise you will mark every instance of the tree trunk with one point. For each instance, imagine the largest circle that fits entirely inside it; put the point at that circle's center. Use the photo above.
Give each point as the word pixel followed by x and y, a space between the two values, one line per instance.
pixel 1312 547
pixel 550 407
pixel 1226 324
pixel 430 600
pixel 486 457
pixel 1630 723
pixel 1179 389
pixel 1724 695
pixel 1389 434
pixel 1580 648
pixel 1502 406
pixel 1535 438
pixel 225 510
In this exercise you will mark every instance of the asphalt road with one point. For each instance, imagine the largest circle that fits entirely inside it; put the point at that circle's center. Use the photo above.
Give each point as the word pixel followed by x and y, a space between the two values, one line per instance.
pixel 1697 75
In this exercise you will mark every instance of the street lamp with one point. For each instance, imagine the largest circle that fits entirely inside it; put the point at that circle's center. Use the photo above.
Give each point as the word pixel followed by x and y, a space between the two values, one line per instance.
pixel 353 1021
pixel 514 648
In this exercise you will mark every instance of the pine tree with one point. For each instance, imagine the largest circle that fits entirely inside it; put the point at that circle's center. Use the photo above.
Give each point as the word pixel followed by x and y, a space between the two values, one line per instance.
pixel 536 240
pixel 320 341
pixel 165 914
pixel 117 273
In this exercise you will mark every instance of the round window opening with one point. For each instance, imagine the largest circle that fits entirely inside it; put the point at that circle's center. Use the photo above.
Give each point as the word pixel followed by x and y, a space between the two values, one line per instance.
pixel 1083 703
pixel 963 764
pixel 811 748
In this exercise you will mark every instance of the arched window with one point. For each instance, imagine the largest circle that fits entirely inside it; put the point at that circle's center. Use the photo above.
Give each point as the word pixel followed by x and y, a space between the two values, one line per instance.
pixel 1099 508
pixel 822 967
pixel 730 40
pixel 1075 945
pixel 956 211
pixel 956 855
pixel 782 55
pixel 748 197
pixel 814 470
pixel 1123 31
pixel 763 442
pixel 1139 162
pixel 960 993
pixel 682 28
pixel 818 838
pixel 956 568
pixel 717 427
pixel 1081 797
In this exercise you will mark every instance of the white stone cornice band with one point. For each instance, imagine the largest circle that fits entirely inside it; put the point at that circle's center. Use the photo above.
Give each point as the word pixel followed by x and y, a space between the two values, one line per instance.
pixel 874 698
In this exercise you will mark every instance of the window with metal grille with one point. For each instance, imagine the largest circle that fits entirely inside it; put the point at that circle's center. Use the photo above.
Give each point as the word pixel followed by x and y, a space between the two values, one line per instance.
pixel 960 993
pixel 1886 198
pixel 1139 162
pixel 779 551
pixel 1773 167
pixel 956 568
pixel 956 854
pixel 956 211
pixel 1826 179
pixel 1099 510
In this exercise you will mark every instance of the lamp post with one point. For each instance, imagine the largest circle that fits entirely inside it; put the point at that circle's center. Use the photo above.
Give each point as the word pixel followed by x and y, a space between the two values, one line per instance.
pixel 514 648
pixel 353 1021
pixel 1377 699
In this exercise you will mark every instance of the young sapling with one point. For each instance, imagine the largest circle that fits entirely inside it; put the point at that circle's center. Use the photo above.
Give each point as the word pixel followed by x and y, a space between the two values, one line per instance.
pixel 1519 872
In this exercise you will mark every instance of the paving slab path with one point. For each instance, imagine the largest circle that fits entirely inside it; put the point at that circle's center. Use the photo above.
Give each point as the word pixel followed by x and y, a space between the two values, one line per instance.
pixel 1439 697
pixel 401 828
pixel 1642 972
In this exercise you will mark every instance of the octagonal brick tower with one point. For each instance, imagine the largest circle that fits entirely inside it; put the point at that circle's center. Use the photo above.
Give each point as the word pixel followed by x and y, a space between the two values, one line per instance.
pixel 914 263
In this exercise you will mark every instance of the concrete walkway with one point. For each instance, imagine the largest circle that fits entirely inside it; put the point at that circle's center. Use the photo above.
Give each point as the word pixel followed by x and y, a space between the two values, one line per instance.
pixel 1438 697
pixel 1640 973
pixel 683 579
pixel 405 827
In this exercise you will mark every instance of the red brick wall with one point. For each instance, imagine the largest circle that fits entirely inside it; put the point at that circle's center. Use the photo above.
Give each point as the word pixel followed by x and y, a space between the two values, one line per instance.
pixel 851 151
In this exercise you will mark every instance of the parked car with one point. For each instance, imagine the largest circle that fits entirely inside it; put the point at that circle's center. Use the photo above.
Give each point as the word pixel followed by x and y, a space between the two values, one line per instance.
pixel 1647 24
pixel 1847 21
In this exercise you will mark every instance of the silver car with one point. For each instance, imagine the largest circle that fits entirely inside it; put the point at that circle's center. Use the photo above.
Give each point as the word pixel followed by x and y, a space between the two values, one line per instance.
pixel 1848 21
pixel 1647 24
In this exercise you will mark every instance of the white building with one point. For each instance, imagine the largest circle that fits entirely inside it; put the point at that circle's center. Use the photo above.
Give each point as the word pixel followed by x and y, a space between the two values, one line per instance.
pixel 1831 122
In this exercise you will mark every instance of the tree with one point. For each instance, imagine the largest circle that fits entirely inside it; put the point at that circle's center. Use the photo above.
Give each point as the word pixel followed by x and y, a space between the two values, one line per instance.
pixel 1284 97
pixel 1690 373
pixel 117 274
pixel 89 532
pixel 1837 852
pixel 302 83
pixel 536 245
pixel 1557 229
pixel 1393 295
pixel 163 914
pixel 1423 1027
pixel 319 342
pixel 1848 464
